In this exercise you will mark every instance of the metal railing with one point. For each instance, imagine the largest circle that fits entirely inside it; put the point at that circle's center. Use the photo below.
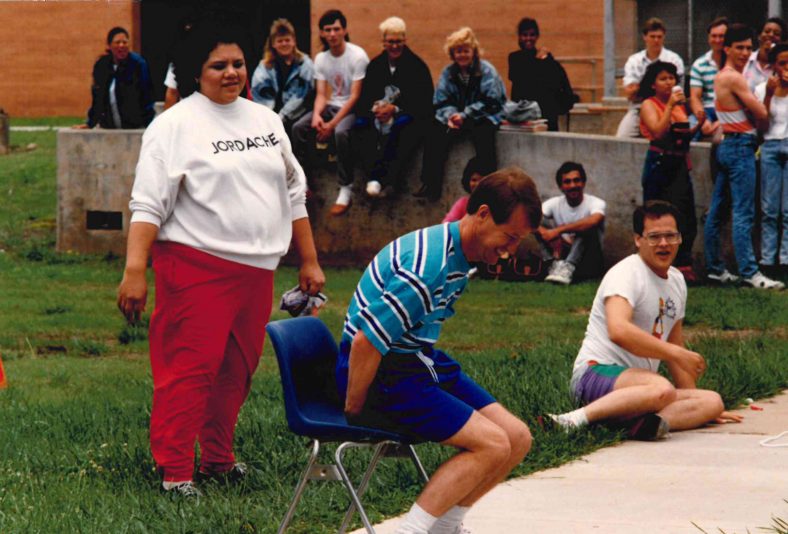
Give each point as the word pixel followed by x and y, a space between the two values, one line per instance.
pixel 595 87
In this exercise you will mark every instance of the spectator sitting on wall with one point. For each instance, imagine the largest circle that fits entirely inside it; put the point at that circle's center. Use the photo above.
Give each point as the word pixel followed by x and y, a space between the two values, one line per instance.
pixel 122 87
pixel 471 176
pixel 341 66
pixel 571 232
pixel 758 68
pixel 654 37
pixel 666 171
pixel 702 74
pixel 636 322
pixel 774 167
pixel 284 79
pixel 537 76
pixel 469 100
pixel 394 106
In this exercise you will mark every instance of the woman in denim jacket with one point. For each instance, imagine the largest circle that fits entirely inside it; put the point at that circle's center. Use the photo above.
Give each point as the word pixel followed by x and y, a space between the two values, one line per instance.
pixel 469 100
pixel 284 79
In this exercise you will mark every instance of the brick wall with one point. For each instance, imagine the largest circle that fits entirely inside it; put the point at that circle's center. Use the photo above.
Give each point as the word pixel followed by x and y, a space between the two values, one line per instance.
pixel 47 52
pixel 567 27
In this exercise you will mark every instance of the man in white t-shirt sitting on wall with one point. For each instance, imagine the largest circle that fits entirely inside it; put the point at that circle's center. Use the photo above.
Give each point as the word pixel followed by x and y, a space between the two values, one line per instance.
pixel 636 322
pixel 340 67
pixel 572 228
pixel 654 38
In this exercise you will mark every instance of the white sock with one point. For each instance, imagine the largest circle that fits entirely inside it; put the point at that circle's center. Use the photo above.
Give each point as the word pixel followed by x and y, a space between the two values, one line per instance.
pixel 449 523
pixel 574 419
pixel 417 521
pixel 171 485
pixel 345 192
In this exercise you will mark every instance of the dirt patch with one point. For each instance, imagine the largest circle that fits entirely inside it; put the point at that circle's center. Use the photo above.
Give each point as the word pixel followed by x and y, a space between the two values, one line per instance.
pixel 696 332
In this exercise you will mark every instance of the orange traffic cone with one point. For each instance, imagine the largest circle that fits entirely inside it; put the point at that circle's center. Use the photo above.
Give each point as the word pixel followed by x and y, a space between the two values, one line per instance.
pixel 3 381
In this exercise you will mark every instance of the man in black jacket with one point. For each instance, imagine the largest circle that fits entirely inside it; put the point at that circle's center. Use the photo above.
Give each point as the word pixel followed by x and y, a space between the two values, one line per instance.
pixel 395 102
pixel 122 87
pixel 536 75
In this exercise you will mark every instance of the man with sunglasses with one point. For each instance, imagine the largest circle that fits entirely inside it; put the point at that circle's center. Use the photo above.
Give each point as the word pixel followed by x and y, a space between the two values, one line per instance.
pixel 636 322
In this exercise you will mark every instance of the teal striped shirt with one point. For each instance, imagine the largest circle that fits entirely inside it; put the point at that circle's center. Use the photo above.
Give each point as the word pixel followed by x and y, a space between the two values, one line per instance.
pixel 408 290
pixel 702 75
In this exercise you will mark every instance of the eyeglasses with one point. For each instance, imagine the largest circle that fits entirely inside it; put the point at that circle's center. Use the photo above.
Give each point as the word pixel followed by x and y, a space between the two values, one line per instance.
pixel 394 42
pixel 671 238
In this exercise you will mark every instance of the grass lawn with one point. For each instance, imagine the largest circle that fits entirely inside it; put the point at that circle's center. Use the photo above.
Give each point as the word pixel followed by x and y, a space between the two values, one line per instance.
pixel 73 423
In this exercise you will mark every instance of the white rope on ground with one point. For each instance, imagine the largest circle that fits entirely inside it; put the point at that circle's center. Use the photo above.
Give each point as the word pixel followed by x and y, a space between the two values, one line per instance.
pixel 769 442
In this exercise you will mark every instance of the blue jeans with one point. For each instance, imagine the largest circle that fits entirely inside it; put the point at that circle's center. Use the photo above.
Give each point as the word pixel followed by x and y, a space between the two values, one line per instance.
pixel 736 160
pixel 774 201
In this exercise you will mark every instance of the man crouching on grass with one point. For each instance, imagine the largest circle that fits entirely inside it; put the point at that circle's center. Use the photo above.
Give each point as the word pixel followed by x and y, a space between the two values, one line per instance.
pixel 636 322
pixel 394 378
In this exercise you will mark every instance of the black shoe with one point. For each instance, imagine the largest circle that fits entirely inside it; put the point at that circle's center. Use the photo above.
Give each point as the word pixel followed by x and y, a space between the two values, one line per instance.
pixel 649 427
pixel 427 192
pixel 236 475
pixel 186 490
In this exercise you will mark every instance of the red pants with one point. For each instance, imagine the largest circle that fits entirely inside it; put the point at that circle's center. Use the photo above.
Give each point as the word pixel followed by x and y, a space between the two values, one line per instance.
pixel 206 337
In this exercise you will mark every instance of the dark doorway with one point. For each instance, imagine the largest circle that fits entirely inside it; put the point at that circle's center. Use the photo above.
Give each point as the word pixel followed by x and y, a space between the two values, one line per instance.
pixel 161 22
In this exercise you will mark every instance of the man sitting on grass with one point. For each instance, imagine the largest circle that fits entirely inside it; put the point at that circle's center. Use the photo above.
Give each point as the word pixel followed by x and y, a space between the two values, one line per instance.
pixel 636 321
pixel 393 378
pixel 572 229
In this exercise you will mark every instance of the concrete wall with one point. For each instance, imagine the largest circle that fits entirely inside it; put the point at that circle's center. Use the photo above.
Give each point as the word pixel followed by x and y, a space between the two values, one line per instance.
pixel 96 171
pixel 47 52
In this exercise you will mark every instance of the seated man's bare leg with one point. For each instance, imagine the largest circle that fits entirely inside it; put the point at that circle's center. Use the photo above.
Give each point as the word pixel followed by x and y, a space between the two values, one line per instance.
pixel 519 442
pixel 485 449
pixel 692 408
pixel 636 392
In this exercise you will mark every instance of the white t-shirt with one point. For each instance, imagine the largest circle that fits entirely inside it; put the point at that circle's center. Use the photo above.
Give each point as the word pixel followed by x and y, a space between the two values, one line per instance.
pixel 657 305
pixel 169 79
pixel 221 179
pixel 778 114
pixel 340 72
pixel 560 212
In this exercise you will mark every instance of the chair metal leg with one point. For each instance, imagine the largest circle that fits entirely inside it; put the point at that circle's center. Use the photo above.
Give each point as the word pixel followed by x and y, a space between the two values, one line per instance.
pixel 349 483
pixel 380 451
pixel 417 463
pixel 300 487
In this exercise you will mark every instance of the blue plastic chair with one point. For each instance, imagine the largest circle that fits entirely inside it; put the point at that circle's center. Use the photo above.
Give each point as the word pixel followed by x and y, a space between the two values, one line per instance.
pixel 307 353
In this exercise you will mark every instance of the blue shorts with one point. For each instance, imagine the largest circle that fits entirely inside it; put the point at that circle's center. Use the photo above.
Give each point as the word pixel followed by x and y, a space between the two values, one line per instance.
pixel 425 403
pixel 597 381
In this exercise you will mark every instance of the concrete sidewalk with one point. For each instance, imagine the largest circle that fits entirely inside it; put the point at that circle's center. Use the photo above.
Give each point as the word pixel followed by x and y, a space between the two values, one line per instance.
pixel 718 478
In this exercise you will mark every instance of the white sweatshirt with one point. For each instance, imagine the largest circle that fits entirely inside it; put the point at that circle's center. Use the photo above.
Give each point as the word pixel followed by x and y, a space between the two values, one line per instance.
pixel 221 179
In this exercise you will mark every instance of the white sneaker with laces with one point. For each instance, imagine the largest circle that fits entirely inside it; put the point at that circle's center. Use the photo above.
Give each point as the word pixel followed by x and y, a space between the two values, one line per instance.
pixel 182 489
pixel 725 277
pixel 561 273
pixel 760 281
pixel 373 188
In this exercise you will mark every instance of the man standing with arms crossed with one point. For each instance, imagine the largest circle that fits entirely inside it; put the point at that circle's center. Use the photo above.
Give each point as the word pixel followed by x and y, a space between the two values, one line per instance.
pixel 737 109
pixel 393 378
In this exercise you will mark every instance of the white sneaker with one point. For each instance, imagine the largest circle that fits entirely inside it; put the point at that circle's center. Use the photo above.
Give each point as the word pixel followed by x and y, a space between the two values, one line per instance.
pixel 725 277
pixel 758 280
pixel 373 188
pixel 182 489
pixel 561 272
pixel 345 193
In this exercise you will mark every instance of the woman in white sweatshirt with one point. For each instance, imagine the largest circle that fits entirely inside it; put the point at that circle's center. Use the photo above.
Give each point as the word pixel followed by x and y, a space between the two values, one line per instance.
pixel 217 198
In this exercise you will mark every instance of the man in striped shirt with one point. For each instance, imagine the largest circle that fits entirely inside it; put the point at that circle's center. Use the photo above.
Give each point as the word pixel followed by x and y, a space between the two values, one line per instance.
pixel 702 74
pixel 737 109
pixel 391 375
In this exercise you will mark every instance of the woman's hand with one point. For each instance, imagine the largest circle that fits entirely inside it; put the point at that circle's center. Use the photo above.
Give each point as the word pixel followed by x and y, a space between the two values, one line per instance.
pixel 729 417
pixel 132 295
pixel 311 278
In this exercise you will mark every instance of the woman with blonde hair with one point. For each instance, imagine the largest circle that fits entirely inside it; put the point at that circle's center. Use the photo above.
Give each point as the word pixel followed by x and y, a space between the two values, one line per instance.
pixel 469 101
pixel 284 79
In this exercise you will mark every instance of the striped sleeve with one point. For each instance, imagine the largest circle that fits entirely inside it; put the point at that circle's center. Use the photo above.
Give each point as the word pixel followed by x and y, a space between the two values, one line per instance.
pixel 405 300
pixel 696 77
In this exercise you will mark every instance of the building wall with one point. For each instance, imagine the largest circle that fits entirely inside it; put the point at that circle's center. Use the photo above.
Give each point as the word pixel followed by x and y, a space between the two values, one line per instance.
pixel 567 27
pixel 47 52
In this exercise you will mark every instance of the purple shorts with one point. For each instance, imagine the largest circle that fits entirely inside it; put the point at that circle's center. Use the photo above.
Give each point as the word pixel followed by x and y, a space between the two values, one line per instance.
pixel 597 381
